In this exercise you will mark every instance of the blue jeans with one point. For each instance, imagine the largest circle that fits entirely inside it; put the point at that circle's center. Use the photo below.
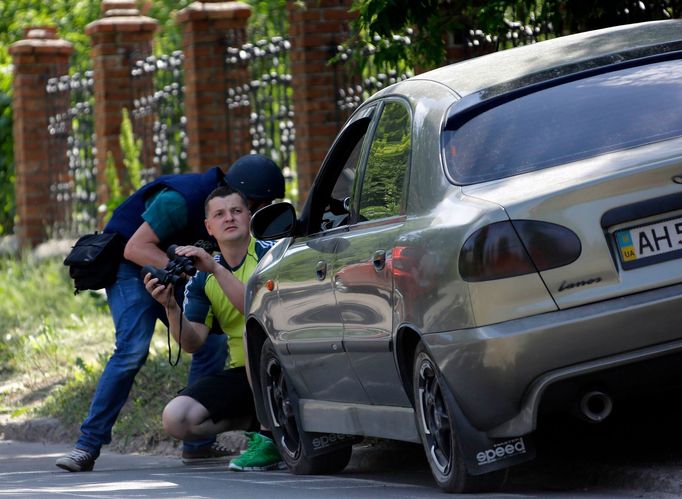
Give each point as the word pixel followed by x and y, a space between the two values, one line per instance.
pixel 135 312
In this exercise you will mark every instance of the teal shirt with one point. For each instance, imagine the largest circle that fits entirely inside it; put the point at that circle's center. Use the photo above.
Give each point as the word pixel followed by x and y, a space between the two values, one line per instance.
pixel 166 214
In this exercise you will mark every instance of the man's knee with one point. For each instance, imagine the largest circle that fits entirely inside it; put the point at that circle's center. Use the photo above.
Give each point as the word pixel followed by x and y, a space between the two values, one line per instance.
pixel 175 417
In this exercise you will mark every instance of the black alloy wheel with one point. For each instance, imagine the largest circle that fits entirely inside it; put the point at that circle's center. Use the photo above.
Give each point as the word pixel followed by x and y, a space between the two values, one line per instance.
pixel 279 406
pixel 435 419
pixel 438 431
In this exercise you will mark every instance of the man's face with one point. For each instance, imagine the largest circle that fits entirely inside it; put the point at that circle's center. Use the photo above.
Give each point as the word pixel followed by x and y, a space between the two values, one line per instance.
pixel 227 218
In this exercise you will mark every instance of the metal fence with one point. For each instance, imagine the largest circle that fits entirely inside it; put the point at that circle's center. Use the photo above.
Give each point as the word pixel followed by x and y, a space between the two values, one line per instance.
pixel 72 161
pixel 357 75
pixel 267 98
pixel 158 114
pixel 513 34
pixel 260 112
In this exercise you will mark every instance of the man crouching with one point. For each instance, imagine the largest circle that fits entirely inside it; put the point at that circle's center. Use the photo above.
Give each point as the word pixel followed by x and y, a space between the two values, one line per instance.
pixel 214 303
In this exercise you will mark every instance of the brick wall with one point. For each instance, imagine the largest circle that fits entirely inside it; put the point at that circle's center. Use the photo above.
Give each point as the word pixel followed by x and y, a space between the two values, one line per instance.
pixel 119 37
pixel 216 137
pixel 39 56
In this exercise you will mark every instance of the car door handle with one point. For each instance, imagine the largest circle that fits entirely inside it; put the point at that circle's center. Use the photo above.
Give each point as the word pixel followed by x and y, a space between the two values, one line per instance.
pixel 379 260
pixel 321 270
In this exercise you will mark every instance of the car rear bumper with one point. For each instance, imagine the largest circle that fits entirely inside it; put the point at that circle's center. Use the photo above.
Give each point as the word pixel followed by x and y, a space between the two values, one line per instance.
pixel 500 372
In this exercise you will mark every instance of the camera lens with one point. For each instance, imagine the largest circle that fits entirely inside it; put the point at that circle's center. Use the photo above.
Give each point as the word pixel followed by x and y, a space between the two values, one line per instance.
pixel 170 252
pixel 160 274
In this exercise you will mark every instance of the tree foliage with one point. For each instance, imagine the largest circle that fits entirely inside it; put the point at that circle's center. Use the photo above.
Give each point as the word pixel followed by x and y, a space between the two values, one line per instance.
pixel 434 20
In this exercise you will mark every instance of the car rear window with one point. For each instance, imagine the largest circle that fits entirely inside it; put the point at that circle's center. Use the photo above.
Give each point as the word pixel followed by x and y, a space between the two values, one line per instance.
pixel 572 121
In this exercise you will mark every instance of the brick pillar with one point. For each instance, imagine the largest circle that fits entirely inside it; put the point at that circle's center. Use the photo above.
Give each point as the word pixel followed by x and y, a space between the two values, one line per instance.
pixel 119 38
pixel 314 32
pixel 38 57
pixel 216 137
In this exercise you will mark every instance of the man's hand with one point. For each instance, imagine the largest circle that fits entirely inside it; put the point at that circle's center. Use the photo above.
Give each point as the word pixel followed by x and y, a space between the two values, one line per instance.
pixel 203 261
pixel 193 333
pixel 160 292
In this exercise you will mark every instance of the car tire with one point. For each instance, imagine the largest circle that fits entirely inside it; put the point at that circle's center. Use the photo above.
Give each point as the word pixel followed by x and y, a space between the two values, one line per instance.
pixel 276 391
pixel 437 430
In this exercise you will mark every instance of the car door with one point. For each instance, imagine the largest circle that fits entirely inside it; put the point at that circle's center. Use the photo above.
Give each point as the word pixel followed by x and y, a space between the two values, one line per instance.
pixel 308 320
pixel 363 265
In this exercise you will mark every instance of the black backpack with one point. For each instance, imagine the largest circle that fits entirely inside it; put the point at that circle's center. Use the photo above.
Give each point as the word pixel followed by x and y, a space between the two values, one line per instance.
pixel 94 260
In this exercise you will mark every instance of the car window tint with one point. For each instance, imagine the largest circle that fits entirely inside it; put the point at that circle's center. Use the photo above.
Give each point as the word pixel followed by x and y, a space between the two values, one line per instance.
pixel 336 213
pixel 389 157
pixel 344 184
pixel 322 208
pixel 573 121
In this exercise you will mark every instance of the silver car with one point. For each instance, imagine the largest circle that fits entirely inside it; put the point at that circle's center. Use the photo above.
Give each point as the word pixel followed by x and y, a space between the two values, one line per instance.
pixel 484 243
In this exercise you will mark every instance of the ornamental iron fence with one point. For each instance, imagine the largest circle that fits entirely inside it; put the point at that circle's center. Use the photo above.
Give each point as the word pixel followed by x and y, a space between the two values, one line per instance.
pixel 267 98
pixel 72 155
pixel 355 81
pixel 158 114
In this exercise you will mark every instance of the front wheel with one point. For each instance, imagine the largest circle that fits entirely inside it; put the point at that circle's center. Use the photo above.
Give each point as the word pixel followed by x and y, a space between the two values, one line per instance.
pixel 279 406
pixel 438 432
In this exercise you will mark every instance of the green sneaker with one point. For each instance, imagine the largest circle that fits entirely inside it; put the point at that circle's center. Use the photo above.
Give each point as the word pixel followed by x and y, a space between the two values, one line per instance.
pixel 261 454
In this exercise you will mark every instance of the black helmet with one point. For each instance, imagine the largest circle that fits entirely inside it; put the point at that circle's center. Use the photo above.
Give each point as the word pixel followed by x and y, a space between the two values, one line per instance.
pixel 256 176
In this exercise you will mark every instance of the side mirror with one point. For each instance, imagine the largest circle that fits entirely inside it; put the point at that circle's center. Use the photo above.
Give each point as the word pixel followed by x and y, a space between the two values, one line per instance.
pixel 274 221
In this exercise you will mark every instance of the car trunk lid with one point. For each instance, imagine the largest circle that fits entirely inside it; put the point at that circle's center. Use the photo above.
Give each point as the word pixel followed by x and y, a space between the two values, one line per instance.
pixel 626 209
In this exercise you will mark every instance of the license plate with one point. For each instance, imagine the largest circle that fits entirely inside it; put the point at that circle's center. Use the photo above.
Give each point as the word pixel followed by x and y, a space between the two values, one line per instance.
pixel 650 243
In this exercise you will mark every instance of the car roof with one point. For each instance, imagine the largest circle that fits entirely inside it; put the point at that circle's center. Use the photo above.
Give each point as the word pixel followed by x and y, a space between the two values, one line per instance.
pixel 507 70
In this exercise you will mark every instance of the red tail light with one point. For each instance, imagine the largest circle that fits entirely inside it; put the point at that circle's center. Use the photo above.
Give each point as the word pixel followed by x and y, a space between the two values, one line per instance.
pixel 508 249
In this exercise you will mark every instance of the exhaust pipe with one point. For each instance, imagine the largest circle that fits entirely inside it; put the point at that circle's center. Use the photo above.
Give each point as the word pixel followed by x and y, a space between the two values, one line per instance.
pixel 595 406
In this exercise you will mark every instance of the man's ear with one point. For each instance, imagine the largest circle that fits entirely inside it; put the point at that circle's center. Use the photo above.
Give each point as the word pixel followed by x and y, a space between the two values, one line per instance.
pixel 208 227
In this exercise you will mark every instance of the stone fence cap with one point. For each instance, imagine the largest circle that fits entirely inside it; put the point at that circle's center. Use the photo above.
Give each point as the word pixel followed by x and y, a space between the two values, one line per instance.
pixel 108 5
pixel 41 32
pixel 121 13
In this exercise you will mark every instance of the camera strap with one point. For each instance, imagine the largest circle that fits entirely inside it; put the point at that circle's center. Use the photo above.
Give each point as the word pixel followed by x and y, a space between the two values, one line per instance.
pixel 168 333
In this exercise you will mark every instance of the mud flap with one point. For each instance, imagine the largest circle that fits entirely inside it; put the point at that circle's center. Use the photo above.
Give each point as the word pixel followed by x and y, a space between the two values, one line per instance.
pixel 316 444
pixel 483 454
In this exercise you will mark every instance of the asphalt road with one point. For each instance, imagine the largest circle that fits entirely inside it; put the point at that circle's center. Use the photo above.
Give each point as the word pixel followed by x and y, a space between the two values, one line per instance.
pixel 637 452
pixel 389 470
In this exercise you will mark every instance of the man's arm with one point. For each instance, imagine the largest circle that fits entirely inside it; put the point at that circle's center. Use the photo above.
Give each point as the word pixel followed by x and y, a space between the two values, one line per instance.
pixel 143 248
pixel 233 288
pixel 193 334
pixel 164 217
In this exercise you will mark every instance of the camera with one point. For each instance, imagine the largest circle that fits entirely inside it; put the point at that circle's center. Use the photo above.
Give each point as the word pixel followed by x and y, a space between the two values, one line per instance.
pixel 174 272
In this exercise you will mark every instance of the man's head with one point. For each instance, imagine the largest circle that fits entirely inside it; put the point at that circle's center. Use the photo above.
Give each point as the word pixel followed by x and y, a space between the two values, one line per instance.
pixel 227 215
pixel 258 177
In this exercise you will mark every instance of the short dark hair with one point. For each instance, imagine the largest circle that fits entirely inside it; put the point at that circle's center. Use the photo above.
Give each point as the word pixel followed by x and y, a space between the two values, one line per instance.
pixel 223 192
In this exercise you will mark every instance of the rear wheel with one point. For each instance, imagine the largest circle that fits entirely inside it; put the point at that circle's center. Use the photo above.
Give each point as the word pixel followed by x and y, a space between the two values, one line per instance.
pixel 283 424
pixel 437 429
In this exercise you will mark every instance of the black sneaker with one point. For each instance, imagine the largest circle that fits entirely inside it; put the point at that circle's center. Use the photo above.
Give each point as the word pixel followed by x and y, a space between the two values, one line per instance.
pixel 77 460
pixel 215 453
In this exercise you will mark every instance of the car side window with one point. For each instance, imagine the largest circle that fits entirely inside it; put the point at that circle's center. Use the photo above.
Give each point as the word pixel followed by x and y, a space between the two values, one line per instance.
pixel 383 182
pixel 337 212
pixel 328 204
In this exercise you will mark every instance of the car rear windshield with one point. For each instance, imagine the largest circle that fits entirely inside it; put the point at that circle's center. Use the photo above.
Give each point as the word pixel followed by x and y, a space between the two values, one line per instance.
pixel 572 121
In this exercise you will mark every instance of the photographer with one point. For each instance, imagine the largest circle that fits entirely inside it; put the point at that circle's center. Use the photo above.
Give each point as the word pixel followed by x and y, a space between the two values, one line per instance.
pixel 223 401
pixel 166 211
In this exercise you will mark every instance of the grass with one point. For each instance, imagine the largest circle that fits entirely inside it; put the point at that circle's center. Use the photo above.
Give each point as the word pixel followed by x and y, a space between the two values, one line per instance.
pixel 53 347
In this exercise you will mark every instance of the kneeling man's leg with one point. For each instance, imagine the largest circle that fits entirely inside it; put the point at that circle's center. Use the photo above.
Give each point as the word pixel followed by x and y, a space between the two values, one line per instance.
pixel 187 419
